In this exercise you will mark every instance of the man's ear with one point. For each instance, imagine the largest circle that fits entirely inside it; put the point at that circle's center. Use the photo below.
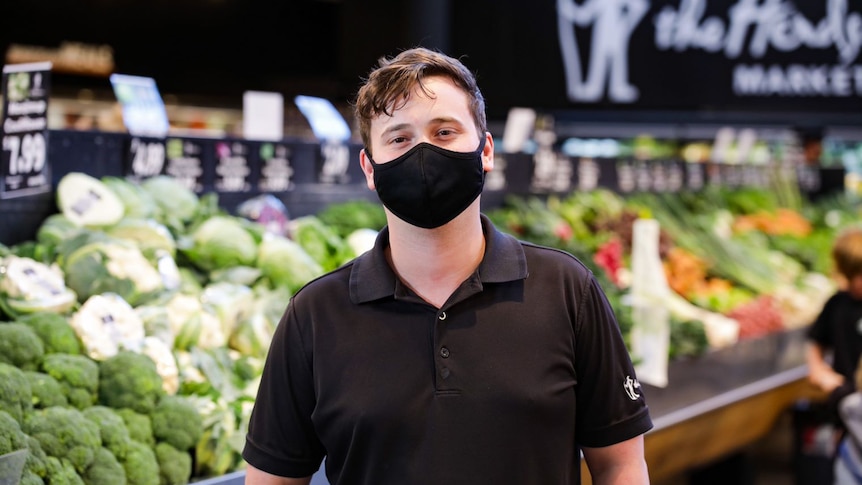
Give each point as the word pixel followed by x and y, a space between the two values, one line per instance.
pixel 488 153
pixel 367 168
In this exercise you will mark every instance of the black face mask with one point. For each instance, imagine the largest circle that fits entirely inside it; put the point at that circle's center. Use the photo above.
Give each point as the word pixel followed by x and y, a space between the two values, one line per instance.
pixel 429 186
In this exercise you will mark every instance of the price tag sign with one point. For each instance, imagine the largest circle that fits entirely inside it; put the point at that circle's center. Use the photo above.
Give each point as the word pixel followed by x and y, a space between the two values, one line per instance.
pixel 183 162
pixel 334 163
pixel 552 172
pixel 232 169
pixel 145 157
pixel 276 168
pixel 24 166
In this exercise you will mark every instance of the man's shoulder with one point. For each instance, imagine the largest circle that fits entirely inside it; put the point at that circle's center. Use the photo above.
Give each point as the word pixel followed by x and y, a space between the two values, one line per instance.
pixel 542 257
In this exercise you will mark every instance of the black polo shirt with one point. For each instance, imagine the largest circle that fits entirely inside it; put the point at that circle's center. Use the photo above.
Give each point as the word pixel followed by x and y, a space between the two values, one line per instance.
pixel 838 328
pixel 499 386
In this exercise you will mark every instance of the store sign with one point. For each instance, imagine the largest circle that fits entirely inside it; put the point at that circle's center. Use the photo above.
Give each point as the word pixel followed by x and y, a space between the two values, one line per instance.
pixel 716 55
pixel 144 111
pixel 747 33
pixel 24 165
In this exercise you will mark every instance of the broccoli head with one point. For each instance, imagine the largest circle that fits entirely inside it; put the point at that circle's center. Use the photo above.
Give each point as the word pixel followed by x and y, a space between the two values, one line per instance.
pixel 20 346
pixel 177 422
pixel 130 380
pixel 115 435
pixel 30 478
pixel 36 459
pixel 65 433
pixel 141 465
pixel 47 391
pixel 77 374
pixel 175 466
pixel 16 397
pixel 105 470
pixel 12 438
pixel 61 472
pixel 140 426
pixel 54 331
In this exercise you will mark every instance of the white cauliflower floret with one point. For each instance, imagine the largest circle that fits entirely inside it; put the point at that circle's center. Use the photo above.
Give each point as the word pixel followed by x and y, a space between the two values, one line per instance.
pixel 35 284
pixel 107 323
pixel 166 364
pixel 129 263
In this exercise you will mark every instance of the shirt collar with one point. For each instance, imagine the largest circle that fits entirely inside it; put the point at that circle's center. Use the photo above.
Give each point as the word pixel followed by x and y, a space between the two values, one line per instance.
pixel 371 278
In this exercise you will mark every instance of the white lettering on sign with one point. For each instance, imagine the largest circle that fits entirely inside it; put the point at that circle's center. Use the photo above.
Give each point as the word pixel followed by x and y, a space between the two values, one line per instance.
pixel 797 80
pixel 336 161
pixel 612 23
pixel 751 28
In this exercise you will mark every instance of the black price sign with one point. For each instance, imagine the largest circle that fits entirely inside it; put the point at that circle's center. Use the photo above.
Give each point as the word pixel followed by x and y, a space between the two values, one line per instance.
pixel 24 163
pixel 146 157
pixel 276 169
pixel 184 162
pixel 232 170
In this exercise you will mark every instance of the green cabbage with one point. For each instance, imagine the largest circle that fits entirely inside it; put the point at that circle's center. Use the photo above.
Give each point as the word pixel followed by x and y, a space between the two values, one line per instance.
pixel 220 242
pixel 286 264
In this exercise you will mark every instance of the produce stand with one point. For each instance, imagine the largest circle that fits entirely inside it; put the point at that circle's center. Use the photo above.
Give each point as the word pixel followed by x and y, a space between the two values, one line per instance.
pixel 715 404
pixel 723 401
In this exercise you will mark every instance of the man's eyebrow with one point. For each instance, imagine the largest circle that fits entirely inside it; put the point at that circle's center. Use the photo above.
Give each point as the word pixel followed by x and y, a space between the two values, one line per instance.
pixel 394 128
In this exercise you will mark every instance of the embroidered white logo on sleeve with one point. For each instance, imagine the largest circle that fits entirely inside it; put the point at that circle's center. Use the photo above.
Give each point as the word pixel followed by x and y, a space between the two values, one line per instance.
pixel 631 386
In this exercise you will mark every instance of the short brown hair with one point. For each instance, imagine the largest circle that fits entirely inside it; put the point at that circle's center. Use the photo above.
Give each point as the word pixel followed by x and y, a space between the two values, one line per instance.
pixel 389 85
pixel 847 252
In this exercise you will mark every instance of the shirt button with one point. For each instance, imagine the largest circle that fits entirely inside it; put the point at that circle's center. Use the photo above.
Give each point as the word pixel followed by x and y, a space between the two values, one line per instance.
pixel 444 372
pixel 444 352
pixel 442 316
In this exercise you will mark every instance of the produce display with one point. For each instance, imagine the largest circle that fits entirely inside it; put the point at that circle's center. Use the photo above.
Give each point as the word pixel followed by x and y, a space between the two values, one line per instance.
pixel 133 329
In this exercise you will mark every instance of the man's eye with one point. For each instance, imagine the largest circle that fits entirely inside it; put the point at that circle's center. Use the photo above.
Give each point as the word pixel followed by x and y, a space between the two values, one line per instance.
pixel 399 139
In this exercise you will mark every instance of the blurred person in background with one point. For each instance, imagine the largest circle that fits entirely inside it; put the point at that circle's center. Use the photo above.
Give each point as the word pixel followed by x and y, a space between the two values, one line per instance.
pixel 835 338
pixel 450 353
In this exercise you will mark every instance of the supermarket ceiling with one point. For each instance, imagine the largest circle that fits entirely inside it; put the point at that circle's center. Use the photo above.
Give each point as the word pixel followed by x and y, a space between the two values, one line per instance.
pixel 629 55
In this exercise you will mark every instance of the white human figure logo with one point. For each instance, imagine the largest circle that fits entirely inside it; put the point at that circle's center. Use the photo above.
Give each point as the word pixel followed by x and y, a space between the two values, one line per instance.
pixel 613 22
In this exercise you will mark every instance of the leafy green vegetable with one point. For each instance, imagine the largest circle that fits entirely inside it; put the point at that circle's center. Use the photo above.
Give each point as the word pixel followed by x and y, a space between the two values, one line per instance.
pixel 177 422
pixel 177 204
pixel 220 242
pixel 137 202
pixel 286 264
pixel 112 267
pixel 321 242
pixel 16 397
pixel 346 217
pixel 54 330
pixel 46 390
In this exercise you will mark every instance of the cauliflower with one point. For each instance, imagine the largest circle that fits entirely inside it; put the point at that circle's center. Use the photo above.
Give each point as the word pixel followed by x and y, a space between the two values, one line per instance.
pixel 193 325
pixel 111 266
pixel 28 286
pixel 66 434
pixel 130 380
pixel 54 330
pixel 15 393
pixel 78 376
pixel 107 323
pixel 166 364
pixel 20 346
pixel 177 422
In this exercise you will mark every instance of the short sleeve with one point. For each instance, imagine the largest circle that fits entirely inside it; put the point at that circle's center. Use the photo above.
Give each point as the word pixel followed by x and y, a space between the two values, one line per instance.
pixel 610 403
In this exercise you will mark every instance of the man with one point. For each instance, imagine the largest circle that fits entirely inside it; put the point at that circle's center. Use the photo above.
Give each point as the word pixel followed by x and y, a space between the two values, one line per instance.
pixel 450 353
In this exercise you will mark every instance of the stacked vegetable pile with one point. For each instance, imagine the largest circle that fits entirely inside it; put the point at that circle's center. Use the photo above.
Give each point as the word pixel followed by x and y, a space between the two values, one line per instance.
pixel 741 262
pixel 133 329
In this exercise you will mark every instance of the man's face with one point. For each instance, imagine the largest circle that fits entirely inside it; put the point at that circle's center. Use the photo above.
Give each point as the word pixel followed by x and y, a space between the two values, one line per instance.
pixel 443 120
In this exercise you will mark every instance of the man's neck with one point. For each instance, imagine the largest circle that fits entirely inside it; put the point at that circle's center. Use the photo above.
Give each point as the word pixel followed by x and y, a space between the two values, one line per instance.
pixel 433 263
